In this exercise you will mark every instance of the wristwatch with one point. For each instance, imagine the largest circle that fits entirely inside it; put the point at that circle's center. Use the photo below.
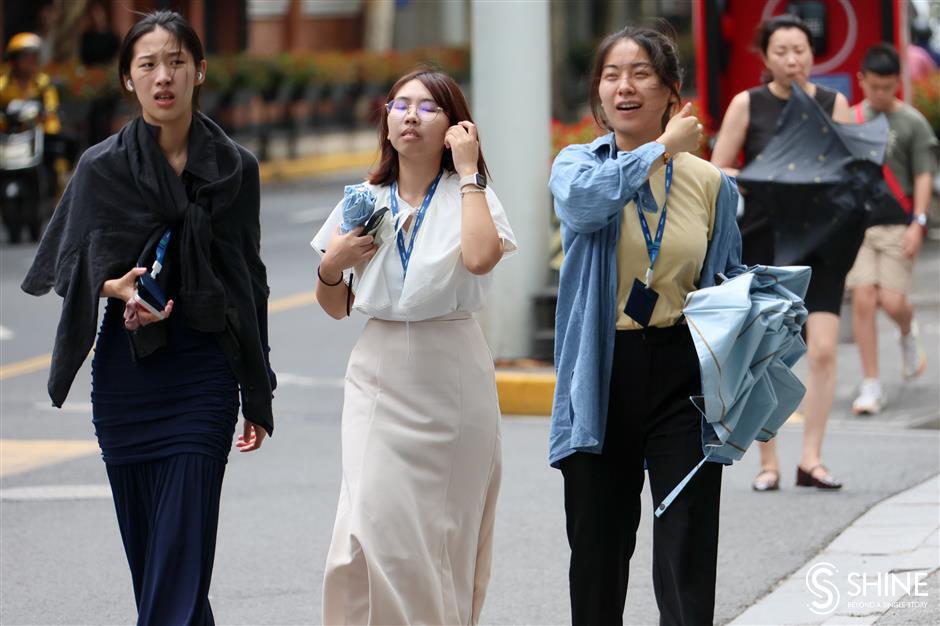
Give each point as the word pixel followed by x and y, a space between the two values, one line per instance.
pixel 476 179
pixel 920 220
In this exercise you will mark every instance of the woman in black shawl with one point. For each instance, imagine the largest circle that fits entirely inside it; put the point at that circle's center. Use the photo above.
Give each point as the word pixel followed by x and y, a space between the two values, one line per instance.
pixel 172 197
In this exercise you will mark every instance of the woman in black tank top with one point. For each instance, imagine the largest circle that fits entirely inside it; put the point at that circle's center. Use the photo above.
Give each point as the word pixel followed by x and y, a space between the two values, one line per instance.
pixel 748 125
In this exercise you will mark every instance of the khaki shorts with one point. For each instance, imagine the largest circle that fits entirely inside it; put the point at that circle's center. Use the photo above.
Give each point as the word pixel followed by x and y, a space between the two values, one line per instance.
pixel 880 261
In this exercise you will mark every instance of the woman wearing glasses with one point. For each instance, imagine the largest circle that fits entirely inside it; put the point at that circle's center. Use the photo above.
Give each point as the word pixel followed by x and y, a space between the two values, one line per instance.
pixel 420 428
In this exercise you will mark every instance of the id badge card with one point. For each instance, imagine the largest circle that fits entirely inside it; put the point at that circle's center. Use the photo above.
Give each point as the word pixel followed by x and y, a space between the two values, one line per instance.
pixel 640 303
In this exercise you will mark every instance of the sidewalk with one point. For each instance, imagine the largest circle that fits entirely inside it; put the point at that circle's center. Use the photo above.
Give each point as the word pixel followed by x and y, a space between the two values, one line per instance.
pixel 882 569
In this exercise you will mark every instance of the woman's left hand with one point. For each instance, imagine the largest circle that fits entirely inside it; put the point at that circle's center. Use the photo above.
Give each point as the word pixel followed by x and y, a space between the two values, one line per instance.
pixel 251 437
pixel 462 141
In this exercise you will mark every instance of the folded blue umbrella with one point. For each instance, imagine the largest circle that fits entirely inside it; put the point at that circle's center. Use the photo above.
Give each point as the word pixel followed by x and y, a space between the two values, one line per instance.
pixel 358 206
pixel 746 332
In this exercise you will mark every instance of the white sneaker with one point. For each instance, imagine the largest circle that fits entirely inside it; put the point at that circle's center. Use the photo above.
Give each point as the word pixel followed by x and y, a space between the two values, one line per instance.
pixel 913 357
pixel 870 400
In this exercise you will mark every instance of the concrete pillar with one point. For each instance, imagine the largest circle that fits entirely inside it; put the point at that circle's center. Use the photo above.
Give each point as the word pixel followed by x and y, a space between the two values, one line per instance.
pixel 510 59
pixel 454 31
pixel 379 25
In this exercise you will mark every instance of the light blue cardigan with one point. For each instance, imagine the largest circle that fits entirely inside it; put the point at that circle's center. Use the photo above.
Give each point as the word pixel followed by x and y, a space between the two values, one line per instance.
pixel 591 183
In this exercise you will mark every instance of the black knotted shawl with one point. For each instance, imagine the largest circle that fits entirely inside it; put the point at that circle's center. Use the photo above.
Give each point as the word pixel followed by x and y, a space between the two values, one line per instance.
pixel 122 194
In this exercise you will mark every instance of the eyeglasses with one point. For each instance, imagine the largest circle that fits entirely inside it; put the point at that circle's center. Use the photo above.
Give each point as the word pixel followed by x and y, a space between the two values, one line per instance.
pixel 426 110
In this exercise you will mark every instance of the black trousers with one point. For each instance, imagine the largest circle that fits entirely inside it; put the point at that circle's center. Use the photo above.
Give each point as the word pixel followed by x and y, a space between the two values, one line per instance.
pixel 650 417
pixel 168 512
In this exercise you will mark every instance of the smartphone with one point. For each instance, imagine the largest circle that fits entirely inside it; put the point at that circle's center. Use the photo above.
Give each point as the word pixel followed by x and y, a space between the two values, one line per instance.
pixel 375 221
pixel 150 296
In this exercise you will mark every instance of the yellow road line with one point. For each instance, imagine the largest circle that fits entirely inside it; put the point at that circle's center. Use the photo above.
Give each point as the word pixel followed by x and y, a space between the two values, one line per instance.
pixel 22 455
pixel 292 302
pixel 26 366
pixel 315 165
pixel 41 362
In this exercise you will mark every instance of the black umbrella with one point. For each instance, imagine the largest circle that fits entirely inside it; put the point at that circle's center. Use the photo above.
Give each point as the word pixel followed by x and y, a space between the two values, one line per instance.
pixel 821 181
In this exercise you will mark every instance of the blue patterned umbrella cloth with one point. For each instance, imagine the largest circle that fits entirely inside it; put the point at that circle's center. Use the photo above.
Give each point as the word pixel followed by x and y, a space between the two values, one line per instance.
pixel 358 206
pixel 747 336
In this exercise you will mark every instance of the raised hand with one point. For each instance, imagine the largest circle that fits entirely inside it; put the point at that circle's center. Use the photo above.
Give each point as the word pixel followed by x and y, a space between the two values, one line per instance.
pixel 683 132
pixel 464 145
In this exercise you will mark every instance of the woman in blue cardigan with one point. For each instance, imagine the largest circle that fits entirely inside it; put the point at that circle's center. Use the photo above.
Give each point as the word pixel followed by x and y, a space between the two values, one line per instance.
pixel 643 223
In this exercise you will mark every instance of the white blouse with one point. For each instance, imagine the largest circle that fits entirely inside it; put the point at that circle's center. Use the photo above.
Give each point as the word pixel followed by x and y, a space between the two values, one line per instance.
pixel 437 282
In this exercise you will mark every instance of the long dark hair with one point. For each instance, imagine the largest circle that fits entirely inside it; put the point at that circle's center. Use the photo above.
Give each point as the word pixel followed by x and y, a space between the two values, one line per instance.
pixel 178 28
pixel 663 52
pixel 449 97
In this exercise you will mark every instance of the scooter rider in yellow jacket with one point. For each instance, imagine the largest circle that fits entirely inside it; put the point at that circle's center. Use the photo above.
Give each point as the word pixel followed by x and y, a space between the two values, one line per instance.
pixel 23 81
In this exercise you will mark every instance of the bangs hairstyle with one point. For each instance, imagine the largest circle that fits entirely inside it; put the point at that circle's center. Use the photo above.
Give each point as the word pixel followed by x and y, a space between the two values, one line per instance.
pixel 448 96
pixel 660 46
pixel 179 29
pixel 767 28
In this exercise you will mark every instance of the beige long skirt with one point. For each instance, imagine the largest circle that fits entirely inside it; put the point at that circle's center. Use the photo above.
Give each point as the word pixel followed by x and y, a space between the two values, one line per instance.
pixel 413 537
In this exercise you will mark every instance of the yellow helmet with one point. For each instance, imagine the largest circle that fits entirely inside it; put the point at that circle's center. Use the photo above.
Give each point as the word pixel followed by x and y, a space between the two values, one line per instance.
pixel 23 42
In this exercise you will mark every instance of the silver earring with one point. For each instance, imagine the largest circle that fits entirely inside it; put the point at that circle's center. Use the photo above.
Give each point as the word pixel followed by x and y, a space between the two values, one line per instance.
pixel 130 85
pixel 198 75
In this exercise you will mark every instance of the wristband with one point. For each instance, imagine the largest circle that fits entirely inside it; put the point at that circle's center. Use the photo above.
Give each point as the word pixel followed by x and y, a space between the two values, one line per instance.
pixel 320 277
pixel 476 179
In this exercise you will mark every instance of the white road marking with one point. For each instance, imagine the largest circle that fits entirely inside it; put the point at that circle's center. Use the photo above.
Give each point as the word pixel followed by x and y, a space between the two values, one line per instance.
pixel 307 381
pixel 307 216
pixel 56 492
pixel 6 334
pixel 69 407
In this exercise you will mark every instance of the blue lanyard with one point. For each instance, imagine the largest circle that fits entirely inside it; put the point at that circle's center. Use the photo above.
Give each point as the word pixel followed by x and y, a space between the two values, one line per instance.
pixel 653 246
pixel 403 252
pixel 161 253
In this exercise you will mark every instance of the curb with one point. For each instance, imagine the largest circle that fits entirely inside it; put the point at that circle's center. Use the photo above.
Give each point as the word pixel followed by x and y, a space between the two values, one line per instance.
pixel 284 170
pixel 525 393
pixel 897 537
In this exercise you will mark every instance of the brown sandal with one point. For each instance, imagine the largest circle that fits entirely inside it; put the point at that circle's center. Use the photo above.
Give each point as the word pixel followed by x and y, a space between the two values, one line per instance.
pixel 772 484
pixel 805 478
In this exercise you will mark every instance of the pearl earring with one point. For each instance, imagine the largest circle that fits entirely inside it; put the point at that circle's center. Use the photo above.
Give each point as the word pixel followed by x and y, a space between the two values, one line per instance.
pixel 130 85
pixel 198 75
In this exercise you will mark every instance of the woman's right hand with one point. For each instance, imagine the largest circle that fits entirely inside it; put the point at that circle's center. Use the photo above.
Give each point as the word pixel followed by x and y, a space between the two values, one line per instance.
pixel 345 251
pixel 683 132
pixel 125 288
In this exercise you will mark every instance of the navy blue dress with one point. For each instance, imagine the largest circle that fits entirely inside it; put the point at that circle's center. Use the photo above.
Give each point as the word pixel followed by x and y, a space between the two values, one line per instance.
pixel 165 425
pixel 181 399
